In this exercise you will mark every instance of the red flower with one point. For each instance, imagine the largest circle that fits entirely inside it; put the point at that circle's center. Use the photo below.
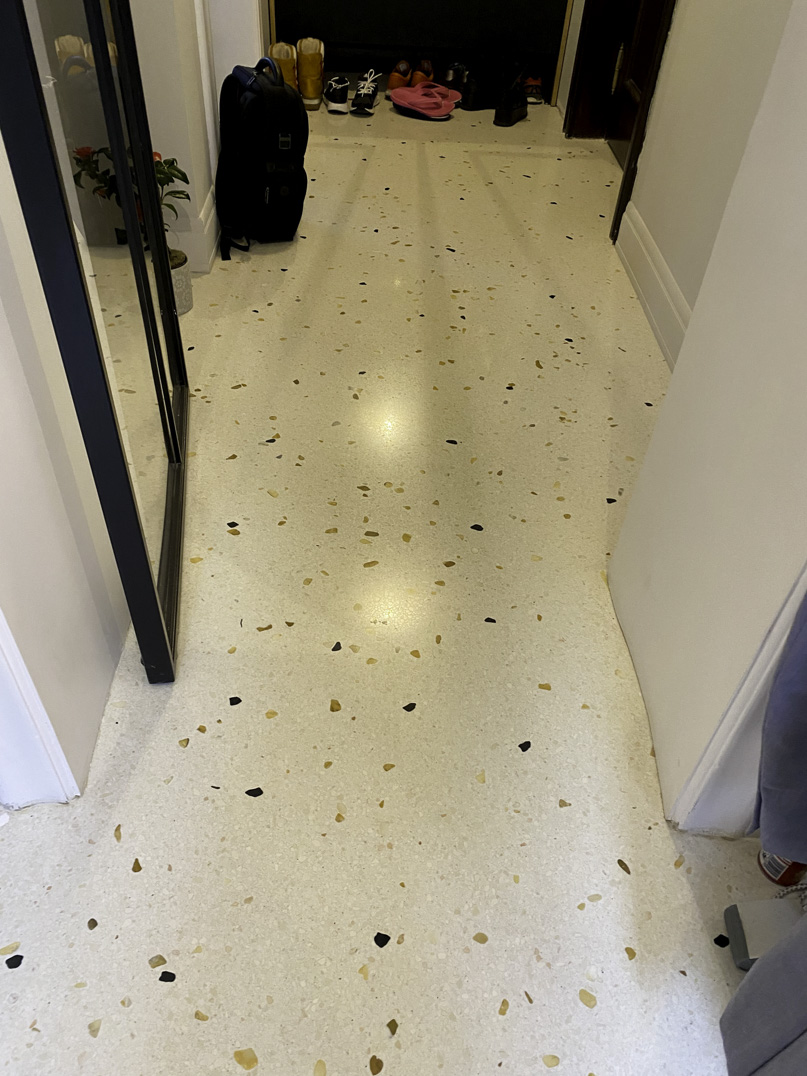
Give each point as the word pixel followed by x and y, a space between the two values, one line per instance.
pixel 157 156
pixel 83 152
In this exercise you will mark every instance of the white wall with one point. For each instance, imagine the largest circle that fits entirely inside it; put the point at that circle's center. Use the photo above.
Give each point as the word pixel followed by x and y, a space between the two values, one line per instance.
pixel 569 55
pixel 177 98
pixel 238 34
pixel 716 532
pixel 59 589
pixel 715 67
pixel 186 48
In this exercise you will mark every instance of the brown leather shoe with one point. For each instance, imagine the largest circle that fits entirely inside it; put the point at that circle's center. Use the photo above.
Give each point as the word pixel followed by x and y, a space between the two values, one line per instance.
pixel 424 72
pixel 401 76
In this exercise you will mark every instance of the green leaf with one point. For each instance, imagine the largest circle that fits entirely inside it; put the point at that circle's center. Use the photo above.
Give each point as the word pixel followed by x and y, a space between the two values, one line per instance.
pixel 178 194
pixel 173 208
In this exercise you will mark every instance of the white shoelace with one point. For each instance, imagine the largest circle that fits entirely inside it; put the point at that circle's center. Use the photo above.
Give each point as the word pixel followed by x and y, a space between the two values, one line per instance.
pixel 368 83
pixel 799 890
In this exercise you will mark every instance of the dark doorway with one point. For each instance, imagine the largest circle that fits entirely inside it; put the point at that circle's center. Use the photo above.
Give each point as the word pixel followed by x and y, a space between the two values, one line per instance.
pixel 618 58
pixel 477 33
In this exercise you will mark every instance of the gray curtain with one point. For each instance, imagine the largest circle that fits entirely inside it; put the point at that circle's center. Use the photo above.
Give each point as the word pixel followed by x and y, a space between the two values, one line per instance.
pixel 765 1024
pixel 782 804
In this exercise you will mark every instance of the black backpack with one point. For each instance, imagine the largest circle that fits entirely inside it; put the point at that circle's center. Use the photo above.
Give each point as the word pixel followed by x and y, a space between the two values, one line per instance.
pixel 260 180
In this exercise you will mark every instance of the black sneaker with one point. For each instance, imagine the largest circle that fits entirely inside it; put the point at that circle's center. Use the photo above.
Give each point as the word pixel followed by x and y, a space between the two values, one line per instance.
pixel 364 98
pixel 336 94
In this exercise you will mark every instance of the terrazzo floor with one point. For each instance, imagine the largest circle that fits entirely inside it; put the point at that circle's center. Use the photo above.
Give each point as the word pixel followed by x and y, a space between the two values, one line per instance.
pixel 399 813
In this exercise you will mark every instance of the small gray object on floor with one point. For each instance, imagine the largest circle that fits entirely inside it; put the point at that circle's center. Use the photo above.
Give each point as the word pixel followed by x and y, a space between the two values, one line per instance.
pixel 755 926
pixel 764 1026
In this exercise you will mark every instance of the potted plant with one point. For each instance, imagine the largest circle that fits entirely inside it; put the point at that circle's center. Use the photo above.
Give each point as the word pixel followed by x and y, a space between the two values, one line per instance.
pixel 95 165
pixel 168 173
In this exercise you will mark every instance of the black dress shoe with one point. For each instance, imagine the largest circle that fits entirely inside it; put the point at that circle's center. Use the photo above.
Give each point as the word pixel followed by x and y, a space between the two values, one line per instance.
pixel 456 77
pixel 512 107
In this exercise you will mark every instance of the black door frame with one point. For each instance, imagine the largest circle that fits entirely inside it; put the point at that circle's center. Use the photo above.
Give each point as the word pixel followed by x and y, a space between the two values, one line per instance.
pixel 154 607
pixel 592 83
pixel 640 127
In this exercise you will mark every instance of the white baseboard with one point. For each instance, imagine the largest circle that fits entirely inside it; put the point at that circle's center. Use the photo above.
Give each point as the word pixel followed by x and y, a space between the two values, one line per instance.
pixel 198 236
pixel 33 768
pixel 663 301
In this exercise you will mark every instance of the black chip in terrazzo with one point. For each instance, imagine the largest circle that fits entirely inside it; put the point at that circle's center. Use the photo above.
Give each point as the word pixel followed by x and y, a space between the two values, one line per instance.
pixel 647 404
pixel 722 941
pixel 271 440
pixel 254 792
pixel 232 523
pixel 167 977
pixel 234 700
pixel 610 500
pixel 451 442
pixel 410 707
pixel 477 527
pixel 489 620
pixel 14 961
pixel 525 746
pixel 381 939
pixel 336 646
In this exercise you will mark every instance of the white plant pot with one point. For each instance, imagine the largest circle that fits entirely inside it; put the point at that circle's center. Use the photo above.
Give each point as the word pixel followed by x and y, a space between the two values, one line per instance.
pixel 183 289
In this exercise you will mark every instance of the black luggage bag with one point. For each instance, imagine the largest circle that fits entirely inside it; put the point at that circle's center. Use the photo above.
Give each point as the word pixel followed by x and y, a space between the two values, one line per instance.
pixel 260 179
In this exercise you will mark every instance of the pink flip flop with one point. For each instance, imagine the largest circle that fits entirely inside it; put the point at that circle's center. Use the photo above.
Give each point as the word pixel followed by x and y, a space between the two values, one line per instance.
pixel 449 95
pixel 423 101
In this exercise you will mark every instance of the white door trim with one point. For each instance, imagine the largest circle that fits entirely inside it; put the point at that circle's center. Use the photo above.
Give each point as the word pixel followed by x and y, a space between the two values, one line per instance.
pixel 33 768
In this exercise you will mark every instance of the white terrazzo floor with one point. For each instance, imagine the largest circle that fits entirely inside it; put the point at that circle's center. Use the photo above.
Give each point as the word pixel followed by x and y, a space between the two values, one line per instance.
pixel 408 426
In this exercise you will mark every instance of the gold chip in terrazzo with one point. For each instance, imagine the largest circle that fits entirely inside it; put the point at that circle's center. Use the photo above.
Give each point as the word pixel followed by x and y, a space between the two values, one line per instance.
pixel 320 1068
pixel 247 1059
